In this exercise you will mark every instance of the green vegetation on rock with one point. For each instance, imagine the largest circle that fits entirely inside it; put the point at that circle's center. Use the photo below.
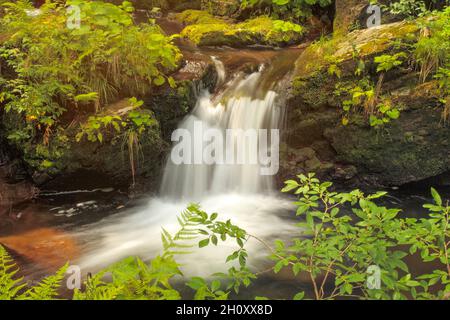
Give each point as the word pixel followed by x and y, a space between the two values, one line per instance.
pixel 206 30
pixel 56 74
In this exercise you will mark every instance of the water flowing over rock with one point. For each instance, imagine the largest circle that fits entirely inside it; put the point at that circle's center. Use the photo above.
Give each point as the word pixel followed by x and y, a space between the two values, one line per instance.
pixel 237 191
pixel 242 110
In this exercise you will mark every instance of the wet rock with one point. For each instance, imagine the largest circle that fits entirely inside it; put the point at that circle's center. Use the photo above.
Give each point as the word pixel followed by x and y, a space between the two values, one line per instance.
pixel 14 194
pixel 345 172
pixel 197 73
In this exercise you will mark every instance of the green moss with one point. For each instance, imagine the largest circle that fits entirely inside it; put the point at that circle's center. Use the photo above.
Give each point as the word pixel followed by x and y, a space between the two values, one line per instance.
pixel 205 30
pixel 337 49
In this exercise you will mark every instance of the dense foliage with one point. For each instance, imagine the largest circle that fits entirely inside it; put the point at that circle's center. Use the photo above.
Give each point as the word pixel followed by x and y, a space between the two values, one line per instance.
pixel 296 10
pixel 432 54
pixel 54 73
pixel 411 8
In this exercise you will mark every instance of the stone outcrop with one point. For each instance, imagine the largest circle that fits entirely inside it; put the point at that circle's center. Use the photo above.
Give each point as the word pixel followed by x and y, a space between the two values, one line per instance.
pixel 204 29
pixel 412 148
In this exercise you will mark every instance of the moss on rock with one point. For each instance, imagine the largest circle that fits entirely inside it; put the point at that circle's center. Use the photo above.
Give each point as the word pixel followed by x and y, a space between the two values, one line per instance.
pixel 206 30
pixel 366 42
pixel 411 148
pixel 414 148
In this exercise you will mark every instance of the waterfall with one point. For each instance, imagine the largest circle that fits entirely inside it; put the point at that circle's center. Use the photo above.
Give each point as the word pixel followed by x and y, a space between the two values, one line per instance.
pixel 239 107
pixel 238 192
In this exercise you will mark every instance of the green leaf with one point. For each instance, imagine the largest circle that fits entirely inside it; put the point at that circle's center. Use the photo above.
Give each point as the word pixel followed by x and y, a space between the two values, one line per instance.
pixel 159 81
pixel 299 296
pixel 203 243
pixel 437 198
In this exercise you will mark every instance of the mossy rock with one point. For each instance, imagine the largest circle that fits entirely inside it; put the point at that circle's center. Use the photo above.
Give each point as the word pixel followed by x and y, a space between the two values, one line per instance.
pixel 204 29
pixel 413 148
pixel 366 42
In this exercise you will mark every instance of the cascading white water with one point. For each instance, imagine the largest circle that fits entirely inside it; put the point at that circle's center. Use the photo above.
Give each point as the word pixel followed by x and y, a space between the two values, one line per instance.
pixel 241 111
pixel 237 191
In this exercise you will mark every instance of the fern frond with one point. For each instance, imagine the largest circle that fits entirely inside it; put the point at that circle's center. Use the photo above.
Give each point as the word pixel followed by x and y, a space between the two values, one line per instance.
pixel 48 288
pixel 97 289
pixel 9 287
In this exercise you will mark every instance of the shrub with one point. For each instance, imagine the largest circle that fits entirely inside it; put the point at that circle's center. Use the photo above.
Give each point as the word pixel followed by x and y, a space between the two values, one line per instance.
pixel 432 53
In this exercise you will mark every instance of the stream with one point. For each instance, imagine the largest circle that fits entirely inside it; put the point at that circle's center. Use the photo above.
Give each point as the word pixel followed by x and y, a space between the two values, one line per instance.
pixel 94 228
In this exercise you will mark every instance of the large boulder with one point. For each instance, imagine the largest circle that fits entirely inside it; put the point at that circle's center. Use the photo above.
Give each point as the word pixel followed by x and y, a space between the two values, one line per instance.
pixel 412 148
pixel 366 43
pixel 204 29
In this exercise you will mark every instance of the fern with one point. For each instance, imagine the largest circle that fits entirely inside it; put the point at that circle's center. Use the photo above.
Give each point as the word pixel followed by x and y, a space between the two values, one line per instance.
pixel 47 289
pixel 97 289
pixel 135 279
pixel 9 286
pixel 189 230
